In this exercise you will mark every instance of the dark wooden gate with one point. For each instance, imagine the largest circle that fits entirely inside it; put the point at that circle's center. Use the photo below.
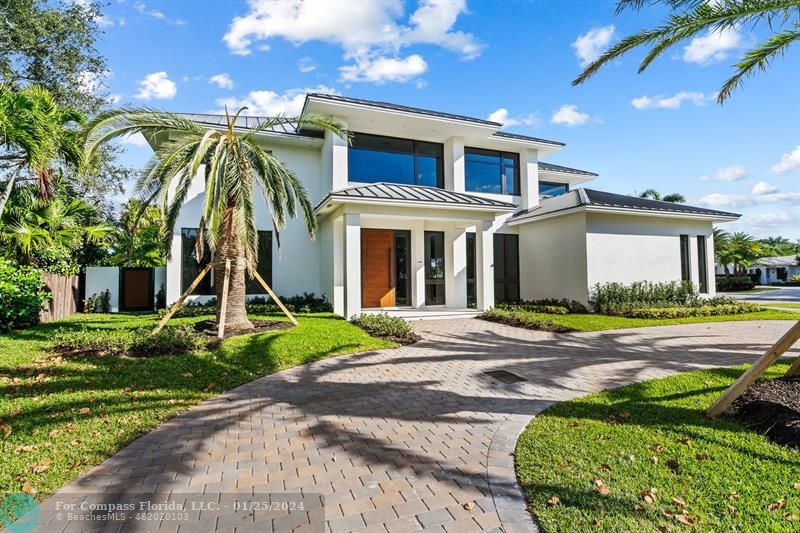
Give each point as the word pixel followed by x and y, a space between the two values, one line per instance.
pixel 136 289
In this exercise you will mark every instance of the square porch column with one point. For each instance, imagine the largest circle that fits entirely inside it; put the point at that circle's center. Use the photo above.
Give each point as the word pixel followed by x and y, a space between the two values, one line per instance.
pixel 418 263
pixel 484 273
pixel 338 294
pixel 529 178
pixel 352 264
pixel 454 170
pixel 456 265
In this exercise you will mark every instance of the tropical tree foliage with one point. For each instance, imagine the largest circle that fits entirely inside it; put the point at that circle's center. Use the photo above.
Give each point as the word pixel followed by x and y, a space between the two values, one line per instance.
pixel 37 139
pixel 736 249
pixel 232 164
pixel 50 234
pixel 779 246
pixel 690 18
pixel 653 194
pixel 137 240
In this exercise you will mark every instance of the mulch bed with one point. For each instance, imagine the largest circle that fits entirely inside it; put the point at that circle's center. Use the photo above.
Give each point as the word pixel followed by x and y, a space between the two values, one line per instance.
pixel 209 327
pixel 772 407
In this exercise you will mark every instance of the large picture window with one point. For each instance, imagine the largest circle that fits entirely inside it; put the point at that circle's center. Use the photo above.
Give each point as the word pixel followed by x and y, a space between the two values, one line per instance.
pixel 491 172
pixel 549 188
pixel 374 158
pixel 190 267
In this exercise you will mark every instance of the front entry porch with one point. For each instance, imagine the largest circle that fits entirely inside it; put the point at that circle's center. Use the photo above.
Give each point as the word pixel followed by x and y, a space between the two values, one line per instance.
pixel 414 263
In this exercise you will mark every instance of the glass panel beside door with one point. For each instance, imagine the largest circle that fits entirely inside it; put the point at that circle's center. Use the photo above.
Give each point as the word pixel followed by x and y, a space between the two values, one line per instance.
pixel 434 268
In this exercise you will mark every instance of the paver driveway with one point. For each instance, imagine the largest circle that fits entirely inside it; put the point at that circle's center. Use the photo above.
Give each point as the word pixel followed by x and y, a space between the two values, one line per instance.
pixel 413 438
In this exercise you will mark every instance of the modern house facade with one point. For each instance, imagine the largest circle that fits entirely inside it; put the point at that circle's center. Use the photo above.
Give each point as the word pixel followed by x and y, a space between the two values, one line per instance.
pixel 427 209
pixel 775 269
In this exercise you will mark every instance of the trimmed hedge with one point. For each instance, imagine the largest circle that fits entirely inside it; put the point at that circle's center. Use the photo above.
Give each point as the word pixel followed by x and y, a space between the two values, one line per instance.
pixel 536 306
pixel 683 312
pixel 305 303
pixel 550 309
pixel 386 327
pixel 734 283
pixel 22 295
pixel 522 319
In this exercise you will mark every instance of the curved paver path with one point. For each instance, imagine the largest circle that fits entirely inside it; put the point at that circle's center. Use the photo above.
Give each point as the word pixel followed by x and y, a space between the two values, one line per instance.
pixel 402 439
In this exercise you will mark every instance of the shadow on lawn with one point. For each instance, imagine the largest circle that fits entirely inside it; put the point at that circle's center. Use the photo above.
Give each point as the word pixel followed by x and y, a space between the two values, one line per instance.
pixel 332 407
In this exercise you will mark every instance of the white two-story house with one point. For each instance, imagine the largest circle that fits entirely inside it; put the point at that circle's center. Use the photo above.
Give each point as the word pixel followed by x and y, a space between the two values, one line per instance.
pixel 425 209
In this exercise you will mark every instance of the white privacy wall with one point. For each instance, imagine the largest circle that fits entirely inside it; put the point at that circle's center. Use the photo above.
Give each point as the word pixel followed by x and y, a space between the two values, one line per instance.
pixel 295 267
pixel 100 279
pixel 626 248
pixel 552 258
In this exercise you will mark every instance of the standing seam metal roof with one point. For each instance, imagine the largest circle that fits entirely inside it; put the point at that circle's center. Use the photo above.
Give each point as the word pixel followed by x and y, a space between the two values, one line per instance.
pixel 415 193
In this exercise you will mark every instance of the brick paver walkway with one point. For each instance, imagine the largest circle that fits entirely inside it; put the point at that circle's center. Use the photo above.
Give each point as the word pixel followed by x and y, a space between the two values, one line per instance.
pixel 413 438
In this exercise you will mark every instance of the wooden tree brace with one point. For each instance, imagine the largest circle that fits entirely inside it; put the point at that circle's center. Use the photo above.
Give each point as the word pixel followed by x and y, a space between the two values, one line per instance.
pixel 754 372
pixel 177 304
pixel 277 300
pixel 223 307
pixel 794 370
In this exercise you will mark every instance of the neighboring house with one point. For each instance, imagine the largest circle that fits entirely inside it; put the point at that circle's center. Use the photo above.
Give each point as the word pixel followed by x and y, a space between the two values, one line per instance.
pixel 429 209
pixel 769 269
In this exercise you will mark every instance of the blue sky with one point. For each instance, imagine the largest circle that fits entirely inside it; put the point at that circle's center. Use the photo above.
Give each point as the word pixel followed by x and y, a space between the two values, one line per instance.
pixel 512 61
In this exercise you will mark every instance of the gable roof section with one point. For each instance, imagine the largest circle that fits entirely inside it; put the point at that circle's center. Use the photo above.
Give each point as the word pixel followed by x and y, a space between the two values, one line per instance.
pixel 778 261
pixel 593 200
pixel 564 170
pixel 394 193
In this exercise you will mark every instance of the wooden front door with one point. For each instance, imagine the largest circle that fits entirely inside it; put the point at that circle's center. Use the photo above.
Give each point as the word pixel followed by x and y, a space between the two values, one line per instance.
pixel 377 268
pixel 136 292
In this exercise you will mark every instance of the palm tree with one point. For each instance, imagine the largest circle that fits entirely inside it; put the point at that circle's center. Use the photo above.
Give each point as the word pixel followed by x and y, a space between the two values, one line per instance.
pixel 653 194
pixel 137 241
pixel 35 135
pixel 743 249
pixel 722 252
pixel 692 17
pixel 232 165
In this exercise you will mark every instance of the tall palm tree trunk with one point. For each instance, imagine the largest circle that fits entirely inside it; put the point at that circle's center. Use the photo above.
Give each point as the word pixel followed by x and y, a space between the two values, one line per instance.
pixel 230 247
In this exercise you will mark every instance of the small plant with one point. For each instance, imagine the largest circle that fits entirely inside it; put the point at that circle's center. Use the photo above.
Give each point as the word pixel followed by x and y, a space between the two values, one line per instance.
pixel 385 326
pixel 90 303
pixel 22 295
pixel 795 278
pixel 104 301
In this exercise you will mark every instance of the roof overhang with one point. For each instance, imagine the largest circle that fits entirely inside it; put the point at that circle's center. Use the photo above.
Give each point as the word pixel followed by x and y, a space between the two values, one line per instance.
pixel 332 201
pixel 565 177
pixel 622 211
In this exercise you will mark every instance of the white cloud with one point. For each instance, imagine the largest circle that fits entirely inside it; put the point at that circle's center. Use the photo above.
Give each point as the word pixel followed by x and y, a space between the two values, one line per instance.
pixel 306 64
pixel 501 115
pixel 670 102
pixel 115 98
pixel 731 173
pixel 712 47
pixel 221 80
pixel 370 33
pixel 789 162
pixel 91 82
pixel 728 201
pixel 772 220
pixel 137 139
pixel 569 115
pixel 157 85
pixel 270 103
pixel 762 187
pixel 383 69
pixel 593 43
pixel 141 7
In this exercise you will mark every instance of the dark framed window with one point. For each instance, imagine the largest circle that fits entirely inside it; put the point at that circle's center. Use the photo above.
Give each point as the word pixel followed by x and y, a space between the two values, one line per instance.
pixel 702 264
pixel 492 172
pixel 506 268
pixel 472 293
pixel 191 267
pixel 434 268
pixel 685 265
pixel 264 266
pixel 402 267
pixel 375 158
pixel 550 188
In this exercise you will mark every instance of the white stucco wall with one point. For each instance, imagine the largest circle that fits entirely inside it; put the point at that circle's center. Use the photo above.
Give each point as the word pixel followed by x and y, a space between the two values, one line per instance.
pixel 552 258
pixel 296 266
pixel 625 248
pixel 100 279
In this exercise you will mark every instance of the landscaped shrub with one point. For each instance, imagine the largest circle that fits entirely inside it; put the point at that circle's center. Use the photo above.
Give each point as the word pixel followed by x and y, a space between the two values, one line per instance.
pixel 22 295
pixel 305 303
pixel 791 283
pixel 385 326
pixel 617 298
pixel 702 310
pixel 172 340
pixel 522 319
pixel 734 283
pixel 548 305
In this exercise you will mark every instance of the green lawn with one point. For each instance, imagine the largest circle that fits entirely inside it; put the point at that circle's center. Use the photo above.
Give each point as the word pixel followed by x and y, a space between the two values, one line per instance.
pixel 68 413
pixel 666 443
pixel 791 305
pixel 756 290
pixel 593 322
